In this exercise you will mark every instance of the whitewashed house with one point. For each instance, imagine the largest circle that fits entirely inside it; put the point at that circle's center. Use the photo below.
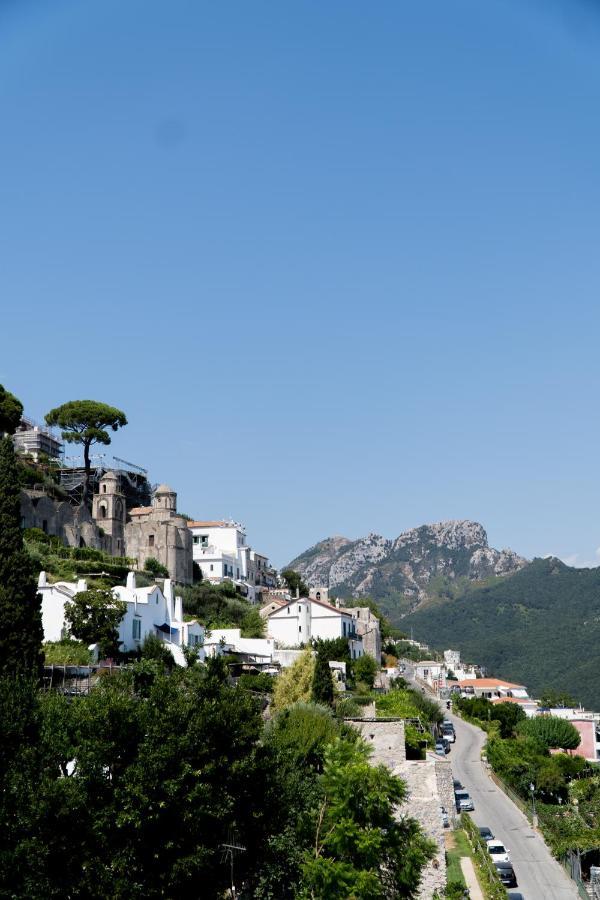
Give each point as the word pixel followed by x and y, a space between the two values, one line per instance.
pixel 432 673
pixel 258 650
pixel 149 610
pixel 305 619
pixel 221 550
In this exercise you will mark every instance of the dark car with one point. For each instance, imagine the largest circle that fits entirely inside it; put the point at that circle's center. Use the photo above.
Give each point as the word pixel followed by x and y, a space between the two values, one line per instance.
pixel 486 833
pixel 457 785
pixel 515 895
pixel 506 873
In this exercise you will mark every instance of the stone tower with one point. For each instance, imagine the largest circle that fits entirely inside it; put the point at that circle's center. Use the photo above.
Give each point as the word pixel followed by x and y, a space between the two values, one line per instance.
pixel 108 511
pixel 165 498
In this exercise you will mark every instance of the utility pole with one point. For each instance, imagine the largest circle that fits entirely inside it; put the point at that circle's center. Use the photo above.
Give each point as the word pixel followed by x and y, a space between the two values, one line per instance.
pixel 534 818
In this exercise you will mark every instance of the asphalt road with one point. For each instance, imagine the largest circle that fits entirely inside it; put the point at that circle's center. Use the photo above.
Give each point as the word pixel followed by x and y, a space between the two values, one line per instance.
pixel 539 875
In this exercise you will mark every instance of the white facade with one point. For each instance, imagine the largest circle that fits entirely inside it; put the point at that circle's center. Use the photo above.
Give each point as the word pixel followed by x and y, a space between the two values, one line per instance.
pixel 303 620
pixel 260 650
pixel 431 672
pixel 221 551
pixel 148 611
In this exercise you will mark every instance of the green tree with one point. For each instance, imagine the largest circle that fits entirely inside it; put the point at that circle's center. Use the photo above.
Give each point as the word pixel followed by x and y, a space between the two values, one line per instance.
pixel 11 411
pixel 552 699
pixel 252 624
pixel 294 582
pixel 322 683
pixel 294 683
pixel 156 568
pixel 360 848
pixel 154 648
pixel 364 669
pixel 86 422
pixel 509 715
pixel 20 608
pixel 94 616
pixel 551 732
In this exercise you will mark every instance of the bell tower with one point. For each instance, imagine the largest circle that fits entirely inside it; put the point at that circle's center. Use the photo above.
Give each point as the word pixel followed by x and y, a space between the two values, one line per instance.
pixel 109 511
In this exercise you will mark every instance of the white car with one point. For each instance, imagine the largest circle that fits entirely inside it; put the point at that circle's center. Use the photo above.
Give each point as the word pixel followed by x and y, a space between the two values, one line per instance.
pixel 498 851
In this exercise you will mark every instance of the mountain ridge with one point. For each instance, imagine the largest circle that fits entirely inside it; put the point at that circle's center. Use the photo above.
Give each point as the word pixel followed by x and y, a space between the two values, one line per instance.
pixel 407 567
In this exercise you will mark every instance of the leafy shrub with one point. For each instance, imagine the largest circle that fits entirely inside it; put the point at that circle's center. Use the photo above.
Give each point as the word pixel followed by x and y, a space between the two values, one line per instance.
pixel 260 682
pixel 155 568
pixel 66 653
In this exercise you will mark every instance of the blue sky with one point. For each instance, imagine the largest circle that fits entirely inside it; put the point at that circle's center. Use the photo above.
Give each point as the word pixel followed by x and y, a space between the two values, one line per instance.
pixel 338 262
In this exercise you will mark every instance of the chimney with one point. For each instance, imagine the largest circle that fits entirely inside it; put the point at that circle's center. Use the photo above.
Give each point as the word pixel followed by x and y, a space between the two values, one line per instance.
pixel 81 585
pixel 131 585
pixel 168 590
pixel 178 609
pixel 297 593
pixel 338 603
pixel 42 580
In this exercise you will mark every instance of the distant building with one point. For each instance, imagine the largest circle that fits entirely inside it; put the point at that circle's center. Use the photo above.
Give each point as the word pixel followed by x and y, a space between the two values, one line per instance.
pixel 156 531
pixel 367 625
pixel 36 441
pixel 222 552
pixel 492 688
pixel 432 673
pixel 302 620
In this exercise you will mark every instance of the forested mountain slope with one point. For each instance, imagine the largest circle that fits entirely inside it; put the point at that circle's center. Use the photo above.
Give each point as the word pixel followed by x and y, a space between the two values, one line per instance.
pixel 540 626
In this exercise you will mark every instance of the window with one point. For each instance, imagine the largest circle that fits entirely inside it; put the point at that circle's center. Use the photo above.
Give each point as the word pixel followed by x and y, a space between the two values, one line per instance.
pixel 344 627
pixel 103 511
pixel 300 629
pixel 211 567
pixel 204 540
pixel 151 540
pixel 136 629
pixel 238 573
pixel 103 488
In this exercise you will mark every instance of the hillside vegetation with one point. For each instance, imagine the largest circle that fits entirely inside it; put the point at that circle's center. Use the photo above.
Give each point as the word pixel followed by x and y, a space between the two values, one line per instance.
pixel 540 626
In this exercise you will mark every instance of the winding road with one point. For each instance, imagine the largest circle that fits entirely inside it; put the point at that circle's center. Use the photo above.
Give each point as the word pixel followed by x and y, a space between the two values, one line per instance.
pixel 539 875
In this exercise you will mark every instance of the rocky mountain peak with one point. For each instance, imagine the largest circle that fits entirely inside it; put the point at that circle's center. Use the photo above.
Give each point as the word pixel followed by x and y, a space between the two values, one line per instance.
pixel 407 566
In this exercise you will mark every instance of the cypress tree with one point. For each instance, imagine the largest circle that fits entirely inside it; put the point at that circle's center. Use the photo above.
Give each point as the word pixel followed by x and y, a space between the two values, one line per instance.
pixel 322 686
pixel 20 607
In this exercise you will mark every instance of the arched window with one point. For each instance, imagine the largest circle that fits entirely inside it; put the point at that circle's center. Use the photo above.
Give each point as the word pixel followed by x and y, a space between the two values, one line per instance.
pixel 103 511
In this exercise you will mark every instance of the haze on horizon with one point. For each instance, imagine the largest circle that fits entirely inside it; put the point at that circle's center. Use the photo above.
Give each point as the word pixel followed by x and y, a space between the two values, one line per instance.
pixel 337 263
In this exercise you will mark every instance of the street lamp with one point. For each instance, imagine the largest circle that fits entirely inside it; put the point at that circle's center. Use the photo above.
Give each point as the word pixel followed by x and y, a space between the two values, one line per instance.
pixel 534 820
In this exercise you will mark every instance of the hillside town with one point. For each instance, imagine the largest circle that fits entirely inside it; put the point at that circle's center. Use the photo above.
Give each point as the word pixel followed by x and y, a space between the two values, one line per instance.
pixel 165 553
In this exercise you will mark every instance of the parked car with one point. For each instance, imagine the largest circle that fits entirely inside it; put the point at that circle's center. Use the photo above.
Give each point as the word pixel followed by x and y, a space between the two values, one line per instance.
pixel 486 833
pixel 515 895
pixel 440 748
pixel 463 801
pixel 497 851
pixel 448 735
pixel 446 744
pixel 506 874
pixel 457 785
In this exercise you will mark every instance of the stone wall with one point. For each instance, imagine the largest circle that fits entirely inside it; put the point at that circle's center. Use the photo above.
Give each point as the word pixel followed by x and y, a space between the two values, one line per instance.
pixel 445 782
pixel 386 739
pixel 429 785
pixel 423 804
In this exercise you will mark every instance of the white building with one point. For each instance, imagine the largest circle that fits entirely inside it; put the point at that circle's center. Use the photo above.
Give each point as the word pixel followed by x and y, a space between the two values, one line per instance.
pixel 305 619
pixel 258 650
pixel 431 672
pixel 222 552
pixel 461 671
pixel 149 610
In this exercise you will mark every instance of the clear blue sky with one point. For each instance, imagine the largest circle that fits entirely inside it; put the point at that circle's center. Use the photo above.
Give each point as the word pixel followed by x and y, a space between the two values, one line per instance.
pixel 338 262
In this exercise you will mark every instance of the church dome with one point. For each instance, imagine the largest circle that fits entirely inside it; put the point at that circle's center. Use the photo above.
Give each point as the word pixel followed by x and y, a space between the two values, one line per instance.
pixel 164 489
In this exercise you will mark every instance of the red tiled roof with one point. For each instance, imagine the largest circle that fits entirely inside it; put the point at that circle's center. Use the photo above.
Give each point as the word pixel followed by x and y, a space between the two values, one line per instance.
pixel 140 510
pixel 207 524
pixel 512 700
pixel 489 683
